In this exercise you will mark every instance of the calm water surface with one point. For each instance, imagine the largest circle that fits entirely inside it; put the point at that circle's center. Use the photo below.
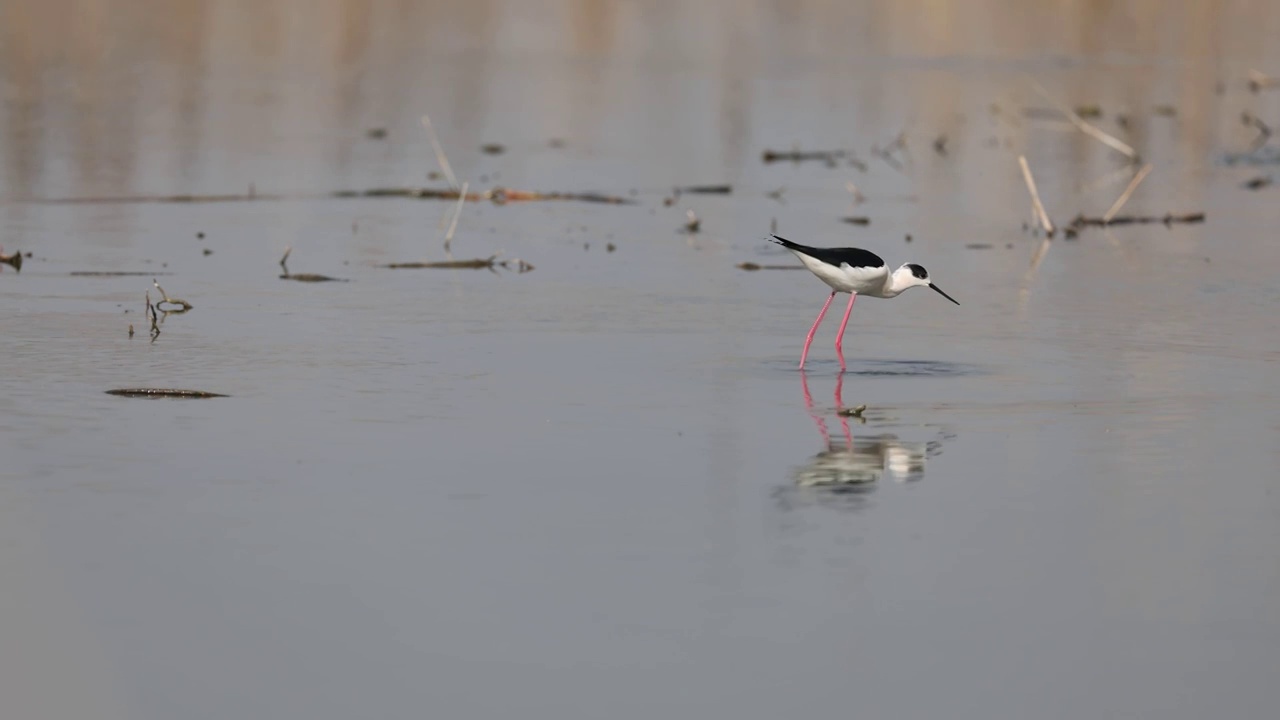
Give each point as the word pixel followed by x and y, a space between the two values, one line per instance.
pixel 601 489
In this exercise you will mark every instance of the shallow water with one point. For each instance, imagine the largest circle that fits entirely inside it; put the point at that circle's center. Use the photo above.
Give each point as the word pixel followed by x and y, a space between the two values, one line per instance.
pixel 601 488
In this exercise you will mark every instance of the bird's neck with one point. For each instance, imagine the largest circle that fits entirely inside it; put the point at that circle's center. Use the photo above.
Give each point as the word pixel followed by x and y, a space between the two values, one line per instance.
pixel 899 280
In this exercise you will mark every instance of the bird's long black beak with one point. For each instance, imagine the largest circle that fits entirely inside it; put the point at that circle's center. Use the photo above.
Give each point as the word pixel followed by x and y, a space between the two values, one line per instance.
pixel 935 287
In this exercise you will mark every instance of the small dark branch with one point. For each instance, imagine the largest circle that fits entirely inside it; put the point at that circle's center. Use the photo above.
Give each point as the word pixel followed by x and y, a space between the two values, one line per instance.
pixel 303 277
pixel 163 393
pixel 15 260
pixel 705 189
pixel 115 273
pixel 856 220
pixel 1257 183
pixel 501 196
pixel 830 157
pixel 1264 130
pixel 476 264
pixel 751 267
pixel 153 316
pixel 1081 222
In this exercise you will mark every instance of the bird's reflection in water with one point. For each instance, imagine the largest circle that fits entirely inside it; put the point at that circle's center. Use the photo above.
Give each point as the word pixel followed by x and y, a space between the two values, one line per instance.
pixel 849 468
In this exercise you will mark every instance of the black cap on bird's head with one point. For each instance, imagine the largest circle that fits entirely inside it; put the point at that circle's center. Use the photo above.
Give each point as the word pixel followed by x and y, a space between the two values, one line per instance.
pixel 922 278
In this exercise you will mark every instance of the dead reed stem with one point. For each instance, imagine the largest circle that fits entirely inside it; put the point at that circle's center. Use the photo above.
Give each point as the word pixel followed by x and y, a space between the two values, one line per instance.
pixel 1124 196
pixel 1035 196
pixel 440 156
pixel 457 212
pixel 1084 127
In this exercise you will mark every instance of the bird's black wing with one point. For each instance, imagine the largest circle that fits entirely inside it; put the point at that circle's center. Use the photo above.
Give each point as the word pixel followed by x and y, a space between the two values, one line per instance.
pixel 854 257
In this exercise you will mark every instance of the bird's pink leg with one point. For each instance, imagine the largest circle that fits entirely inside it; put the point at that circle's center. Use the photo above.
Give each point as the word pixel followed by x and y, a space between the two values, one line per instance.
pixel 843 323
pixel 809 340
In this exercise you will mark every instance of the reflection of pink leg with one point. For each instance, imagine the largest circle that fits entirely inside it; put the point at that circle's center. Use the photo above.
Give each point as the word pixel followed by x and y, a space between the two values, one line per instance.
pixel 808 405
pixel 843 323
pixel 809 340
pixel 844 421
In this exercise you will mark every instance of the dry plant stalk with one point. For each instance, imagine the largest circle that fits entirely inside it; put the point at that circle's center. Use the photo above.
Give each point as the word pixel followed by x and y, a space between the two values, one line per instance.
pixel 1124 196
pixel 457 212
pixel 440 156
pixel 1035 196
pixel 1084 127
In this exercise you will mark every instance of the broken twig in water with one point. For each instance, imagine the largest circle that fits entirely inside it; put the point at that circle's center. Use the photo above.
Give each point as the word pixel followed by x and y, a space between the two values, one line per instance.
pixel 441 159
pixel 497 195
pixel 457 211
pixel 705 190
pixel 750 266
pixel 183 305
pixel 164 393
pixel 1124 196
pixel 1257 183
pixel 830 157
pixel 15 260
pixel 151 313
pixel 1045 224
pixel 856 220
pixel 1264 130
pixel 1084 127
pixel 116 273
pixel 489 263
pixel 303 277
pixel 1167 219
pixel 501 196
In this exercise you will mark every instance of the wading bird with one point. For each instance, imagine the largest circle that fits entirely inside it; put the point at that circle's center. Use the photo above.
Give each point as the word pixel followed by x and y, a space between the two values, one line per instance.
pixel 857 272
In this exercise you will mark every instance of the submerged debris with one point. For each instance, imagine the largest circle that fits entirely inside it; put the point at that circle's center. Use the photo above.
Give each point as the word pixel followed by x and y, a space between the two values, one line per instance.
pixel 497 195
pixel 116 273
pixel 830 157
pixel 303 277
pixel 1255 122
pixel 692 224
pixel 1265 155
pixel 181 305
pixel 856 220
pixel 15 260
pixel 164 393
pixel 705 190
pixel 1257 183
pixel 1168 219
pixel 489 263
pixel 751 267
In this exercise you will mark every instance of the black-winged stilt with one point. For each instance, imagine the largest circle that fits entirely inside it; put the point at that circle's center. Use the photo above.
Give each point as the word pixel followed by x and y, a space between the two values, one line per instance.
pixel 857 272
